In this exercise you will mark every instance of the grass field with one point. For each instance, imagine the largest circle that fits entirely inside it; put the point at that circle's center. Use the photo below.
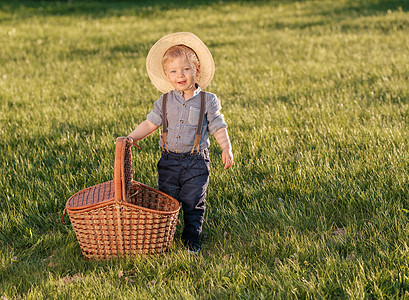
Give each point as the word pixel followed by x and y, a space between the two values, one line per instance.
pixel 316 95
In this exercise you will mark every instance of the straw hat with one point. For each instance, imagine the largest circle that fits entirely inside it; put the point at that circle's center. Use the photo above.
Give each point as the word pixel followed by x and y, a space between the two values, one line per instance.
pixel 154 59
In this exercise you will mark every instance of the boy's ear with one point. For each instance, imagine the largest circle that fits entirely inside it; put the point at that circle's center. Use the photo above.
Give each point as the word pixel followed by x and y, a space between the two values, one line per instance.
pixel 197 70
pixel 166 74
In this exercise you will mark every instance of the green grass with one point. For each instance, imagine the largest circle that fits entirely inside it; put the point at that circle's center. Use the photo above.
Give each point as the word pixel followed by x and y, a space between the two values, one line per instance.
pixel 316 96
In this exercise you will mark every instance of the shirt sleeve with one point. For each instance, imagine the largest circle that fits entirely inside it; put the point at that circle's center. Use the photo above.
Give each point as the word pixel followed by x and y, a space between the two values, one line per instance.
pixel 214 117
pixel 155 116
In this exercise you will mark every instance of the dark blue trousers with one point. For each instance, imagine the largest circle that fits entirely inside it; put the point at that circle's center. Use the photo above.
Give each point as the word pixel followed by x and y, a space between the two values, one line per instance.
pixel 185 177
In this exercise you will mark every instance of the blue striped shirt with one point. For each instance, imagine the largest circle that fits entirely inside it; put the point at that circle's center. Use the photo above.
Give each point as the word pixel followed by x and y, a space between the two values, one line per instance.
pixel 183 116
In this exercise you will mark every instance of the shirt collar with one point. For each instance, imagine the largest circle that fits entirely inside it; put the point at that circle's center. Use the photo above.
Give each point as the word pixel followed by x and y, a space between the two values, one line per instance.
pixel 196 92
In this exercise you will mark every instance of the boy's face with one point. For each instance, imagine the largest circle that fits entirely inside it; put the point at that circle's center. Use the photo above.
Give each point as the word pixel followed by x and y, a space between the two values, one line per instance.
pixel 181 74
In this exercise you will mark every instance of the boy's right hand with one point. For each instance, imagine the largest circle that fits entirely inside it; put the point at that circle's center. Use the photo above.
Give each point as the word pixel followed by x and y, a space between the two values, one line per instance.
pixel 129 139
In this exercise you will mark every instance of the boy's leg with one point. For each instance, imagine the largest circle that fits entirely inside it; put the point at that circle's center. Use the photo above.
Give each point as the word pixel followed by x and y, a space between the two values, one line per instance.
pixel 194 180
pixel 168 176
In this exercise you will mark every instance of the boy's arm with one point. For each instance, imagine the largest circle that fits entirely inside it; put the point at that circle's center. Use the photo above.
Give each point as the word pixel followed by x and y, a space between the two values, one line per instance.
pixel 222 138
pixel 143 130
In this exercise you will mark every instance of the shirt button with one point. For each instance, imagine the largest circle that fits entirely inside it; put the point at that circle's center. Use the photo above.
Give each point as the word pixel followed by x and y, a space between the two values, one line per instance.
pixel 178 137
pixel 184 104
pixel 181 121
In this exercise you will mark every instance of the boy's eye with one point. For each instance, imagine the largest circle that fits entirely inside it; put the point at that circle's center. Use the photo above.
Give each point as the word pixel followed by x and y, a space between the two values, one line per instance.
pixel 187 68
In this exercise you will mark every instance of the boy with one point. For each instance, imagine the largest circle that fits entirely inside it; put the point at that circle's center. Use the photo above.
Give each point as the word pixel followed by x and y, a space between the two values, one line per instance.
pixel 180 66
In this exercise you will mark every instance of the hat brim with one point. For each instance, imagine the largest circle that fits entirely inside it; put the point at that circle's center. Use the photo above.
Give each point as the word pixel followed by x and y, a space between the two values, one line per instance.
pixel 155 55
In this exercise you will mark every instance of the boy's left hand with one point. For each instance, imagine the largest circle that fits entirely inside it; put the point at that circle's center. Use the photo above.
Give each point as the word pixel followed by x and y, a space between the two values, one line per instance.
pixel 227 157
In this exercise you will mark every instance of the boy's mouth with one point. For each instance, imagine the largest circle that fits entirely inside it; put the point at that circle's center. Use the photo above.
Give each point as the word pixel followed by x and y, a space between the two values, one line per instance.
pixel 182 82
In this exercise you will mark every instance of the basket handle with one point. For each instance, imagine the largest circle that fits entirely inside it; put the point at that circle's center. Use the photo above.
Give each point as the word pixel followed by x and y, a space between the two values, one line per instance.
pixel 122 143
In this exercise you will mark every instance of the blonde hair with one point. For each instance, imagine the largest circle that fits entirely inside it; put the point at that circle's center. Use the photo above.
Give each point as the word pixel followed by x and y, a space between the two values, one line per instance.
pixel 180 50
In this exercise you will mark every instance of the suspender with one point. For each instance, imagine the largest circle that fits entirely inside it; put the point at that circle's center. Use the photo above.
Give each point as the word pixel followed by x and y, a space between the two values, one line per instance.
pixel 199 123
pixel 165 123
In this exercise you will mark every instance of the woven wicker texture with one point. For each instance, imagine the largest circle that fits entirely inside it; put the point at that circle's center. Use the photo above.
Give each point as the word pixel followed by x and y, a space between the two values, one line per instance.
pixel 92 195
pixel 122 217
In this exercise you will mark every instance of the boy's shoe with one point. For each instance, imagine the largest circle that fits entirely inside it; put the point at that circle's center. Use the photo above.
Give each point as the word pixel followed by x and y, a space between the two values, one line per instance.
pixel 193 248
pixel 193 252
pixel 192 244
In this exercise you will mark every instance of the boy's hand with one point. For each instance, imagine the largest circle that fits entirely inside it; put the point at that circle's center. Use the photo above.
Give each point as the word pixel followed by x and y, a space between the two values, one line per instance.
pixel 227 157
pixel 222 137
pixel 129 139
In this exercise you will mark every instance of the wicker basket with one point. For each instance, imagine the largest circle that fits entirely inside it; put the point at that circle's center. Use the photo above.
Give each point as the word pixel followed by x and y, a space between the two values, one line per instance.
pixel 122 217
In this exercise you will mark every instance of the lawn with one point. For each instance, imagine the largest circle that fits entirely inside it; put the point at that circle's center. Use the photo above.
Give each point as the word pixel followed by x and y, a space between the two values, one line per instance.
pixel 316 96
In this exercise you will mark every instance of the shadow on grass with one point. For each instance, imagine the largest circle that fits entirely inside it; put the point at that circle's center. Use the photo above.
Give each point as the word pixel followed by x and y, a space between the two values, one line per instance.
pixel 99 8
pixel 152 8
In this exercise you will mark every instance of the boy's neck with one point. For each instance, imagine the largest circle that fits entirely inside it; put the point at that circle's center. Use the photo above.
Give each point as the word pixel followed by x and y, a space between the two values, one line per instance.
pixel 191 93
pixel 187 94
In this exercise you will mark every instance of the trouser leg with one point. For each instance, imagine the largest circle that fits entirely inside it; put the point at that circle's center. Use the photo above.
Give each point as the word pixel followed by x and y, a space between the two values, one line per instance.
pixel 195 179
pixel 192 196
pixel 187 180
pixel 168 172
